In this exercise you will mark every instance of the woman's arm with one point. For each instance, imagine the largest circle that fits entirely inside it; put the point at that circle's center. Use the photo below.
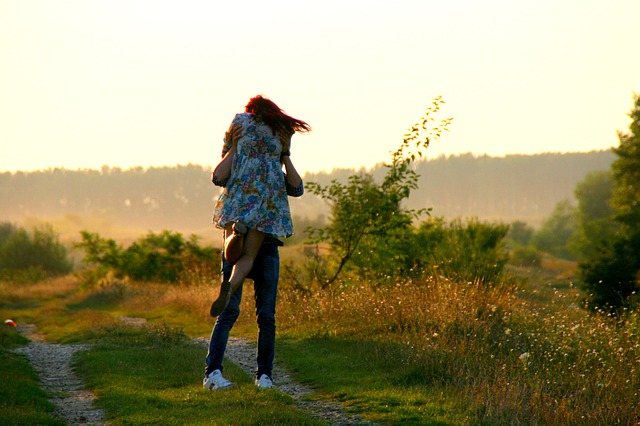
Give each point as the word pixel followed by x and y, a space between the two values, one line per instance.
pixel 292 180
pixel 292 175
pixel 223 169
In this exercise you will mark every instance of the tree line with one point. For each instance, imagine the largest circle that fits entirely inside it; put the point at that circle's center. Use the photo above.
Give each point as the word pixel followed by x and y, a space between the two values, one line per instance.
pixel 515 187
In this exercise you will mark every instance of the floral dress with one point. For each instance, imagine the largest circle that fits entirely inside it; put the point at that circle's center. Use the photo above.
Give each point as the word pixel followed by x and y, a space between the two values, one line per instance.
pixel 255 192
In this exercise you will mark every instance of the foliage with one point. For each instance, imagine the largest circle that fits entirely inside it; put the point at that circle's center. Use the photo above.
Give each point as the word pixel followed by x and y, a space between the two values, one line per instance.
pixel 594 214
pixel 36 254
pixel 367 213
pixel 557 230
pixel 164 257
pixel 470 252
pixel 611 274
pixel 527 255
pixel 520 233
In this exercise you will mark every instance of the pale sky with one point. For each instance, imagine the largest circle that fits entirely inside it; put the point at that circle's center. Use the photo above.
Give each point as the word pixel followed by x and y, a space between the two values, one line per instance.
pixel 86 83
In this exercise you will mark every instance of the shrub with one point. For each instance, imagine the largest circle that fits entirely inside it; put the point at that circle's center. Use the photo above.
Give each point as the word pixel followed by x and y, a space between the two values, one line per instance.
pixel 164 257
pixel 468 252
pixel 520 233
pixel 32 254
pixel 526 256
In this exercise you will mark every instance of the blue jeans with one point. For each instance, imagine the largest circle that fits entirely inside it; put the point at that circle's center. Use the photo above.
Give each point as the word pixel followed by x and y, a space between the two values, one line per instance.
pixel 265 274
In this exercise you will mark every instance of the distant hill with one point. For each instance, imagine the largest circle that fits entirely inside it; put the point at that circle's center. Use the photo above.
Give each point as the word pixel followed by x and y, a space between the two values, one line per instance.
pixel 515 187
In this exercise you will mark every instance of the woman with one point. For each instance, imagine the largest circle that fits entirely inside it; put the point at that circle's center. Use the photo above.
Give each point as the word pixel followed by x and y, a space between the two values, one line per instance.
pixel 254 203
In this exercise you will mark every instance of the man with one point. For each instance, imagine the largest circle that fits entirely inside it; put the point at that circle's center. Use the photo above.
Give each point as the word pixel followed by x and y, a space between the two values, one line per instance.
pixel 265 275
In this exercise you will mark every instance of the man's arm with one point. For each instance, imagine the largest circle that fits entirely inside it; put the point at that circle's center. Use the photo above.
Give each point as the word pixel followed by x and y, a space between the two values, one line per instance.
pixel 292 191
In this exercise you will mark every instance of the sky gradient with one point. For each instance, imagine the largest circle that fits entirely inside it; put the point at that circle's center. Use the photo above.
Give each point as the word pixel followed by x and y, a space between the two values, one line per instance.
pixel 152 83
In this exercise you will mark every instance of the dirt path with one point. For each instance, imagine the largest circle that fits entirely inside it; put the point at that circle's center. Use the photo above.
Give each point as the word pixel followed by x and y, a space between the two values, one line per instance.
pixel 52 362
pixel 243 354
pixel 74 403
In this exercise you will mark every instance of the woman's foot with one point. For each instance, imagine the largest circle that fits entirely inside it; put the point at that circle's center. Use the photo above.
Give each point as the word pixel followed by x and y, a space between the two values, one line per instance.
pixel 222 301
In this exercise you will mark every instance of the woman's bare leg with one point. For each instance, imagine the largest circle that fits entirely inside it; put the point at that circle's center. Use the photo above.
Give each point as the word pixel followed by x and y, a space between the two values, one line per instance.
pixel 234 241
pixel 252 242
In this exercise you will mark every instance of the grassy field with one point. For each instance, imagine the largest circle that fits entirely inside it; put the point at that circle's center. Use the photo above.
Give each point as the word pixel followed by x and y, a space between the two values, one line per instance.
pixel 427 352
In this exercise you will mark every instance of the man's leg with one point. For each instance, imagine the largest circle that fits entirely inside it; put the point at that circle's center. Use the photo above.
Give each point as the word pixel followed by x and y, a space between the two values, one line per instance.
pixel 265 275
pixel 224 323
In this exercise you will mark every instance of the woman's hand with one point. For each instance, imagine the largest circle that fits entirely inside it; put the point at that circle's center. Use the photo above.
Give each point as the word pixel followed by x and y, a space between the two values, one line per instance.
pixel 233 136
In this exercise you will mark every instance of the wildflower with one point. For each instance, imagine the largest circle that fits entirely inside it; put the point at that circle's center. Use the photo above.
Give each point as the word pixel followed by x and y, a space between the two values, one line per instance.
pixel 507 331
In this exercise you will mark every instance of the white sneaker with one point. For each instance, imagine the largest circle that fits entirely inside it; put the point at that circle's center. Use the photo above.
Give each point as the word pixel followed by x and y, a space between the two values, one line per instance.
pixel 215 382
pixel 264 382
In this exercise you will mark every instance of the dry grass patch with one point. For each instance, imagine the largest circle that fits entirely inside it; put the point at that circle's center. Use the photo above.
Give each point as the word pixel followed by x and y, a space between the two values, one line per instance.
pixel 515 362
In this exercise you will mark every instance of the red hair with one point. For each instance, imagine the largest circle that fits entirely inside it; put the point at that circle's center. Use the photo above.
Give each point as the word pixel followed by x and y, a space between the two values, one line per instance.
pixel 274 117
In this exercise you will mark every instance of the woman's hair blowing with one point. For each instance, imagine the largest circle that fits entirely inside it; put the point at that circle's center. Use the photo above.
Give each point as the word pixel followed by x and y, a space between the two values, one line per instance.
pixel 271 114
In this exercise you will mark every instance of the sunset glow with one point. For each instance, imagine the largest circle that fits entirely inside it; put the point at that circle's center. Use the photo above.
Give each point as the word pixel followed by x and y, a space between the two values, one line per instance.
pixel 151 83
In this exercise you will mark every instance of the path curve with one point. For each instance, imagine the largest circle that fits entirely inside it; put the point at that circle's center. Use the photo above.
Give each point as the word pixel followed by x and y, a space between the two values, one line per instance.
pixel 52 363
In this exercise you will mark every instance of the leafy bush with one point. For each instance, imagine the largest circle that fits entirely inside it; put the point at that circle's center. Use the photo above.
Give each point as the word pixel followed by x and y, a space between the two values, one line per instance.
pixel 611 277
pixel 36 254
pixel 526 256
pixel 520 233
pixel 164 257
pixel 468 252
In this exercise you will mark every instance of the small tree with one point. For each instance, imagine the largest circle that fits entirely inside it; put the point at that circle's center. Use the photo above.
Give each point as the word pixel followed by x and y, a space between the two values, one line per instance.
pixel 520 232
pixel 594 214
pixel 556 231
pixel 364 212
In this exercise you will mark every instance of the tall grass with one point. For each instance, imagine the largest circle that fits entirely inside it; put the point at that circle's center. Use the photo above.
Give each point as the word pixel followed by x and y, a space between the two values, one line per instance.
pixel 507 353
pixel 513 362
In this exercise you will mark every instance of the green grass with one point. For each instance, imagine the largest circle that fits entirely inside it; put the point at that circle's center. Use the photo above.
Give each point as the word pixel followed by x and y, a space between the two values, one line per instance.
pixel 360 375
pixel 22 401
pixel 428 352
pixel 142 376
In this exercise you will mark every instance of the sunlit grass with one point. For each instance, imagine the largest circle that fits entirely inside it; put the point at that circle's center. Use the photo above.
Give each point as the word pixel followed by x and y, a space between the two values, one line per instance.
pixel 430 351
pixel 506 360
